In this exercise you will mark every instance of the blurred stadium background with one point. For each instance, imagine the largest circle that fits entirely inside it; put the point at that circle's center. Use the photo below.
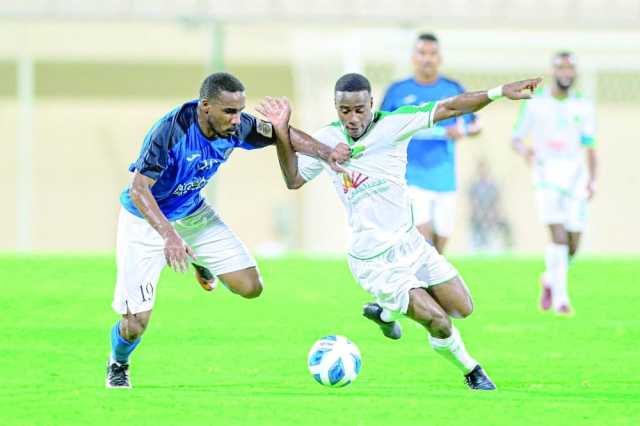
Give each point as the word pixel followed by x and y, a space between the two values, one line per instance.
pixel 82 81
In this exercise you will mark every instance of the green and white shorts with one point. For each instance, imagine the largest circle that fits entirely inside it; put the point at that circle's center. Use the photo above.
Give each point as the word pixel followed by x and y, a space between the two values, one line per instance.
pixel 408 264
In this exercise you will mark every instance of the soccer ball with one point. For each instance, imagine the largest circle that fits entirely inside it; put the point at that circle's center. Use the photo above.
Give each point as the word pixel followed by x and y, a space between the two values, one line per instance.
pixel 334 361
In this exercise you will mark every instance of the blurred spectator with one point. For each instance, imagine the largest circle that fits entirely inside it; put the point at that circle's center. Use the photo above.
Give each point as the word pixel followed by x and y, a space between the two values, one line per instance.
pixel 490 231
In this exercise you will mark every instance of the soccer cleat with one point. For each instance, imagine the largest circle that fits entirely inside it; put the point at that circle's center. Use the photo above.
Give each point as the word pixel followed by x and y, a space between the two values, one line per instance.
pixel 204 276
pixel 564 310
pixel 118 375
pixel 391 329
pixel 477 379
pixel 545 296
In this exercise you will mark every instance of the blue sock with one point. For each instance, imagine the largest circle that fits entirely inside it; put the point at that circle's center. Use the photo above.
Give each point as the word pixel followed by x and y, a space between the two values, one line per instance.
pixel 121 348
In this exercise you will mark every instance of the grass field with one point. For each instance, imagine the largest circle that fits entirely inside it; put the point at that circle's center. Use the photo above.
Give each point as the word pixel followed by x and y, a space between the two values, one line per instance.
pixel 213 358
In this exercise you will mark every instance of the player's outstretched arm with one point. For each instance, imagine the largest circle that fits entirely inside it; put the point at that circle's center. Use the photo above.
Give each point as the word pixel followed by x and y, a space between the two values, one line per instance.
pixel 175 249
pixel 474 101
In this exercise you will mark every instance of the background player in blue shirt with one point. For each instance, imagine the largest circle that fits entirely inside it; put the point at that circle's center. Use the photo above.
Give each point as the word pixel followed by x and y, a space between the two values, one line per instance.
pixel 431 172
pixel 164 218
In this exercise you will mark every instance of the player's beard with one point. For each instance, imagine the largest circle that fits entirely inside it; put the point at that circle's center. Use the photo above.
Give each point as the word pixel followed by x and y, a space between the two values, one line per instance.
pixel 564 84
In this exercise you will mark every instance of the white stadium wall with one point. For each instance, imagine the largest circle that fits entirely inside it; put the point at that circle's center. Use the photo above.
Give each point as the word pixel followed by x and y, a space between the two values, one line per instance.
pixel 77 176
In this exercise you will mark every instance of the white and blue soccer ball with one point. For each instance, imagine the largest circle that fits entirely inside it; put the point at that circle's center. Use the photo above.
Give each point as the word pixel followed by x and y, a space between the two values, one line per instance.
pixel 334 361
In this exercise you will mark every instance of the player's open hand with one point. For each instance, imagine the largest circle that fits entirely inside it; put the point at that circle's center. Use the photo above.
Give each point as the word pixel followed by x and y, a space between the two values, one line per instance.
pixel 276 110
pixel 340 154
pixel 521 89
pixel 176 252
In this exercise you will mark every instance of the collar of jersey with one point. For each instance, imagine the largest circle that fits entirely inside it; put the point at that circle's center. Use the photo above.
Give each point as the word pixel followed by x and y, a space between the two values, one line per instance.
pixel 350 141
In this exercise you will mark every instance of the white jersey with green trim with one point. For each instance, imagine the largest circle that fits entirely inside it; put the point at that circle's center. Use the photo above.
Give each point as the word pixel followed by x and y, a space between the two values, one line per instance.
pixel 560 129
pixel 374 190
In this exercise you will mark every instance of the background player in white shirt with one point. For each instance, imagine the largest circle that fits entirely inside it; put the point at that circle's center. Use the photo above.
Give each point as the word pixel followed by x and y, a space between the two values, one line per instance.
pixel 562 125
pixel 388 256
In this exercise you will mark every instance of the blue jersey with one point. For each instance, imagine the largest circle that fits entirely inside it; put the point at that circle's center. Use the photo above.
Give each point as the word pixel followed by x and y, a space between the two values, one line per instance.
pixel 181 159
pixel 430 155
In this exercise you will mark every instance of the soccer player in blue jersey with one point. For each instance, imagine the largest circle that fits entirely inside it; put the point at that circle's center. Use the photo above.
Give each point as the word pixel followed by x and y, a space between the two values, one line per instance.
pixel 164 219
pixel 431 173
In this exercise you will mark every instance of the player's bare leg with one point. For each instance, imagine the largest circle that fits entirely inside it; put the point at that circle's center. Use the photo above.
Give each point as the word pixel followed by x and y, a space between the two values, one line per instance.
pixel 125 336
pixel 437 241
pixel 554 279
pixel 454 297
pixel 245 282
pixel 426 230
pixel 444 337
pixel 574 243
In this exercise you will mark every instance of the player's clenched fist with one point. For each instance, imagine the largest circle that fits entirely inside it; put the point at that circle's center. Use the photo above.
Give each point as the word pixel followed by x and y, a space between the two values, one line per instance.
pixel 340 154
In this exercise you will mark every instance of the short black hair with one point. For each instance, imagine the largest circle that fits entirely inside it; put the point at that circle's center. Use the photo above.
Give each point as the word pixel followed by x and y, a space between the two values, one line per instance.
pixel 563 54
pixel 427 37
pixel 219 82
pixel 353 82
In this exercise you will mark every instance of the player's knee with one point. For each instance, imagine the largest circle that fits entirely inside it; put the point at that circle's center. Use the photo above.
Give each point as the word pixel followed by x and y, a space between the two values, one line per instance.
pixel 572 250
pixel 133 328
pixel 463 310
pixel 560 237
pixel 251 289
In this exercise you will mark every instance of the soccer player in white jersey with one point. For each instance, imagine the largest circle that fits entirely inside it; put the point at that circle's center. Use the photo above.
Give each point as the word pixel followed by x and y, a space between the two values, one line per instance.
pixel 562 125
pixel 388 256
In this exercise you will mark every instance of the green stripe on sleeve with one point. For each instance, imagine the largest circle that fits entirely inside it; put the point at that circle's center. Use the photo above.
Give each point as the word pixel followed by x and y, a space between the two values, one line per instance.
pixel 410 109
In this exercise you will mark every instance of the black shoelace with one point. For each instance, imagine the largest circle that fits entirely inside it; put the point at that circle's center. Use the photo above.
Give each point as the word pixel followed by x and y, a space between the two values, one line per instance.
pixel 118 374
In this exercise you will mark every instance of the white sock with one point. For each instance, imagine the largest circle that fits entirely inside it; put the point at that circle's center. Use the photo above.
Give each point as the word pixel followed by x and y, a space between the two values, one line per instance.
pixel 452 348
pixel 546 278
pixel 560 261
pixel 549 263
pixel 386 315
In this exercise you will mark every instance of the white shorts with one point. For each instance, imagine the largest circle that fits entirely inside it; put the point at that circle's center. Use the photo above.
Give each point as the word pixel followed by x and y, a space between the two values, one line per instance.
pixel 410 263
pixel 436 208
pixel 140 254
pixel 556 207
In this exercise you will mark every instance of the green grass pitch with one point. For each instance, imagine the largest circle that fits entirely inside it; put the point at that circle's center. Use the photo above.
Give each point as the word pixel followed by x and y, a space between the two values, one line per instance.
pixel 217 359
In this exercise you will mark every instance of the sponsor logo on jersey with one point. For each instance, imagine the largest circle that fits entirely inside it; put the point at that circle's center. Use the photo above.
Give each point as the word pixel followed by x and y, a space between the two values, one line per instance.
pixel 352 181
pixel 194 185
pixel 206 164
pixel 409 99
pixel 192 157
